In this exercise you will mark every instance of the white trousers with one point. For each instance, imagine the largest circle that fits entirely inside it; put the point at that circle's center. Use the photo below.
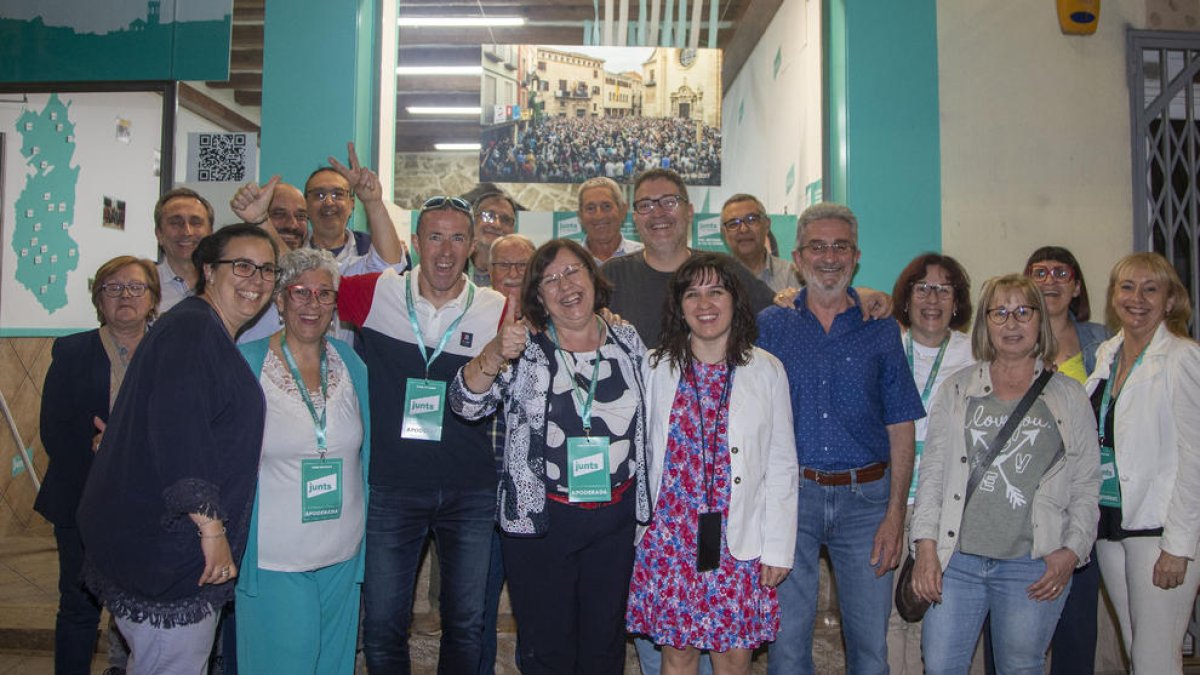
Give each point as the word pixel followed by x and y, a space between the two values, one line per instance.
pixel 1153 621
pixel 182 650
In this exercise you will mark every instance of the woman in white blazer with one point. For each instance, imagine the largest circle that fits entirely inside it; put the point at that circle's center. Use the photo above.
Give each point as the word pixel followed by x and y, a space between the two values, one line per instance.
pixel 1146 392
pixel 723 479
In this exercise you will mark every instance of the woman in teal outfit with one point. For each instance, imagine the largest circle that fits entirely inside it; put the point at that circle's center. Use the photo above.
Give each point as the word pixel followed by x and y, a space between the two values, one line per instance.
pixel 298 594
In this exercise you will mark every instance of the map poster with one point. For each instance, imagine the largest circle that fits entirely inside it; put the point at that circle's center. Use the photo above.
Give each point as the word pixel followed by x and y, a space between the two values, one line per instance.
pixel 80 182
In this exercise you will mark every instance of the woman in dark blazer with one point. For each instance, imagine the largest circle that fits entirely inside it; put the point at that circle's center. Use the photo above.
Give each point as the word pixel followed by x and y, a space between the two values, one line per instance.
pixel 81 386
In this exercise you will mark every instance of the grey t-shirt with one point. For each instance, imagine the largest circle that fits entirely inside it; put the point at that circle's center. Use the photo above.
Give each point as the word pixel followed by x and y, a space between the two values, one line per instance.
pixel 997 522
pixel 640 291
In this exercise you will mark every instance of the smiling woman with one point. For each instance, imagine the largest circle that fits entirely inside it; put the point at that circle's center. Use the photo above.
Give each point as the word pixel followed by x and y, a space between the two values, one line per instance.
pixel 163 516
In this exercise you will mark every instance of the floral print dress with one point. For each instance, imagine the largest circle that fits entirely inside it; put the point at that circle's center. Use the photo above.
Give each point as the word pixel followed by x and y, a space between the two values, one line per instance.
pixel 669 600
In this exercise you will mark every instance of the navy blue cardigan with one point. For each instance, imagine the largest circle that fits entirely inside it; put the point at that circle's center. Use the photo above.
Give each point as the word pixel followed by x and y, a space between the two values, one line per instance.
pixel 75 391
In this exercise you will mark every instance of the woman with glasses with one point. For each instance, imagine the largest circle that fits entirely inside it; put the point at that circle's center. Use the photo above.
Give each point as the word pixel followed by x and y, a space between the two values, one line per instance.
pixel 1006 501
pixel 723 479
pixel 80 389
pixel 1058 276
pixel 574 479
pixel 932 299
pixel 299 588
pixel 1146 394
pixel 165 510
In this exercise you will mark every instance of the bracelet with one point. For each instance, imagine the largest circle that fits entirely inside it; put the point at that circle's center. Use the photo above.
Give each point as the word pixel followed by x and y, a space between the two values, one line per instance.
pixel 480 362
pixel 211 536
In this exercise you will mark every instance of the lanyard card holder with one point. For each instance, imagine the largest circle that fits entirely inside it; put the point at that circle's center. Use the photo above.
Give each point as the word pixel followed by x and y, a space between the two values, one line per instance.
pixel 708 542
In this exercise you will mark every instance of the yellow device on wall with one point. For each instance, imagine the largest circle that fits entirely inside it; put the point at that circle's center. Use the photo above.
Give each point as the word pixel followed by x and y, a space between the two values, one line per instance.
pixel 1078 17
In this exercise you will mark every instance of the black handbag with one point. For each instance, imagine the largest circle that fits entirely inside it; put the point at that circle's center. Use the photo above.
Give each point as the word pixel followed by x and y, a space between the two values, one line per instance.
pixel 911 608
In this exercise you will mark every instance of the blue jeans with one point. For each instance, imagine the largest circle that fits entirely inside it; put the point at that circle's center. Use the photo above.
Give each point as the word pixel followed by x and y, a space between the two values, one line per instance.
pixel 398 521
pixel 491 607
pixel 844 518
pixel 974 587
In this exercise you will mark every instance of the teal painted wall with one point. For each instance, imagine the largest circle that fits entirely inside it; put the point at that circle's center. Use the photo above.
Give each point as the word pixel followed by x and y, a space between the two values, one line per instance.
pixel 883 154
pixel 318 86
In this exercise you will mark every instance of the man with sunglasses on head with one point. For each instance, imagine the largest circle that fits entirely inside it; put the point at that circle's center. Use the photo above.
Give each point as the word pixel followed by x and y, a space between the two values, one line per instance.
pixel 745 226
pixel 284 212
pixel 431 471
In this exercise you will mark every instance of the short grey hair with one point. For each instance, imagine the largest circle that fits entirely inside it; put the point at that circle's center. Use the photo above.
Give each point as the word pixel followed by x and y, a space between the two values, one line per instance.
pixel 294 263
pixel 509 238
pixel 825 211
pixel 744 197
pixel 602 182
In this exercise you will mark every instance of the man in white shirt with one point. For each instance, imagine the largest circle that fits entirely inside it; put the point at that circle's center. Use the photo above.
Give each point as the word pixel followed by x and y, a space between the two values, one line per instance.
pixel 602 211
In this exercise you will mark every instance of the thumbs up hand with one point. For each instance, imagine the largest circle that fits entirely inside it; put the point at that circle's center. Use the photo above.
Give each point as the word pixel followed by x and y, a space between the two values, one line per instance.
pixel 510 339
pixel 251 202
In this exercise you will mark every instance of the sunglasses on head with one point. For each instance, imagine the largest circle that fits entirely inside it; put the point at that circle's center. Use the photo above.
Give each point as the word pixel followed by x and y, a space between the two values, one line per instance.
pixel 444 202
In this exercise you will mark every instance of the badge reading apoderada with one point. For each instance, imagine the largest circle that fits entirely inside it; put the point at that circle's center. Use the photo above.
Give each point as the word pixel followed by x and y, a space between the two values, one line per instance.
pixel 588 480
pixel 424 401
pixel 321 489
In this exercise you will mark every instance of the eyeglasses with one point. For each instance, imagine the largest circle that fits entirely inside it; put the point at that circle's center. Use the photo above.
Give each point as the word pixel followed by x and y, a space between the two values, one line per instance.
pixel 444 201
pixel 302 295
pixel 999 315
pixel 668 204
pixel 114 289
pixel 319 194
pixel 246 268
pixel 838 248
pixel 494 217
pixel 750 220
pixel 922 290
pixel 518 267
pixel 553 282
pixel 1042 273
pixel 283 215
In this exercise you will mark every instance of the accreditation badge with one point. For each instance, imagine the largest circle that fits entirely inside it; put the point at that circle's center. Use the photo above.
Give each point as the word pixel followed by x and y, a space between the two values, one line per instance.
pixel 587 478
pixel 1110 483
pixel 320 489
pixel 424 406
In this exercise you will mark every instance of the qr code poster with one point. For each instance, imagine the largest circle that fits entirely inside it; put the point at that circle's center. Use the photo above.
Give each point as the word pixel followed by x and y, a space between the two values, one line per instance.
pixel 218 158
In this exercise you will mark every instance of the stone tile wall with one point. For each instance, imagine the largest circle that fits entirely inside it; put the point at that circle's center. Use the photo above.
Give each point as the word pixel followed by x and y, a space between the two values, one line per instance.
pixel 23 364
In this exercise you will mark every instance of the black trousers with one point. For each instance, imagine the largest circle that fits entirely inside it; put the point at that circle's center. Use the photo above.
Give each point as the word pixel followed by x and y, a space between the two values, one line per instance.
pixel 568 589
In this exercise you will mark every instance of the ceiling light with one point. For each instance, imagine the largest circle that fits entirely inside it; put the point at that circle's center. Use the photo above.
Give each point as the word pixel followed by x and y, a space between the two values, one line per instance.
pixel 456 146
pixel 462 21
pixel 439 70
pixel 443 110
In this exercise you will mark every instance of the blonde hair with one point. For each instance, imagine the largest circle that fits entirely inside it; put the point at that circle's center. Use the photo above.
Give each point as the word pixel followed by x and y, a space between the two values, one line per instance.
pixel 1178 316
pixel 981 343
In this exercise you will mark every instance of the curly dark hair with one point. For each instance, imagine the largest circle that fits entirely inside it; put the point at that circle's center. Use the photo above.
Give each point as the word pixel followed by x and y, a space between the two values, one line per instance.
pixel 902 291
pixel 675 344
pixel 1080 306
pixel 531 300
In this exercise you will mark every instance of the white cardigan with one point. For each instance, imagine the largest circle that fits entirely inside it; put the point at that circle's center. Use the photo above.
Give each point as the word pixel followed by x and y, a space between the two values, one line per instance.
pixel 1158 438
pixel 762 447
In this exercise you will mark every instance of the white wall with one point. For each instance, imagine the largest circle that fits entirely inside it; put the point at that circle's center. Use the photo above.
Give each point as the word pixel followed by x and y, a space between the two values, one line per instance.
pixel 780 125
pixel 1035 137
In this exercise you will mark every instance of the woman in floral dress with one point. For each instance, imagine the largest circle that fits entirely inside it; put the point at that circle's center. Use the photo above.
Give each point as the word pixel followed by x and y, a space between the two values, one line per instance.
pixel 722 479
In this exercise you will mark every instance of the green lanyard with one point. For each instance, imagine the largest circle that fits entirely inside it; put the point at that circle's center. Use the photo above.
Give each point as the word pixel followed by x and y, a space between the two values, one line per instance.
pixel 585 407
pixel 319 422
pixel 1106 398
pixel 933 372
pixel 416 327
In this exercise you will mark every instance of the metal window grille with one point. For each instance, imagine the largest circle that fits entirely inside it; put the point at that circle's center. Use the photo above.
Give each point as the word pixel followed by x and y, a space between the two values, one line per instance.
pixel 1164 73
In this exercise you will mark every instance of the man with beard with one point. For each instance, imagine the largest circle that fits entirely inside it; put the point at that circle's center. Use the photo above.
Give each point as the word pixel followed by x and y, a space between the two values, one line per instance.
pixel 854 402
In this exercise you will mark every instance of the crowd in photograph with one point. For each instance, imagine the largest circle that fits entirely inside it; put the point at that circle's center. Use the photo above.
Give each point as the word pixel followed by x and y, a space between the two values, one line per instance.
pixel 647 444
pixel 574 149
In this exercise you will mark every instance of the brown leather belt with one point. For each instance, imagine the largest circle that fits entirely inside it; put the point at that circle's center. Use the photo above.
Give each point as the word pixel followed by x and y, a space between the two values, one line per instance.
pixel 863 474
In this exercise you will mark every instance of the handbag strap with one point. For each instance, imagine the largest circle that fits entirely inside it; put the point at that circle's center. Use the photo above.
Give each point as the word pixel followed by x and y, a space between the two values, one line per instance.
pixel 983 462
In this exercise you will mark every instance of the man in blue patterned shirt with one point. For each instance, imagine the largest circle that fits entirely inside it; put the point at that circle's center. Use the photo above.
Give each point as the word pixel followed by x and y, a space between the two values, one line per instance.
pixel 853 404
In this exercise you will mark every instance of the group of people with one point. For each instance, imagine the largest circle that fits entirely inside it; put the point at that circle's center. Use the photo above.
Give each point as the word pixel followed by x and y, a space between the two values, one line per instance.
pixel 573 149
pixel 637 437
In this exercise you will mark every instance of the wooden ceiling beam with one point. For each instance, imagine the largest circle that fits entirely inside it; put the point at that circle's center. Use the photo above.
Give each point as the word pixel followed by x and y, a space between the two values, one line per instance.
pixel 539 35
pixel 755 16
pixel 212 110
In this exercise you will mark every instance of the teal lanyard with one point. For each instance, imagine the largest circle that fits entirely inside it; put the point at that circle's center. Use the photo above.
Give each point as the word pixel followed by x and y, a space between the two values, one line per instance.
pixel 585 406
pixel 1106 399
pixel 319 422
pixel 416 327
pixel 933 372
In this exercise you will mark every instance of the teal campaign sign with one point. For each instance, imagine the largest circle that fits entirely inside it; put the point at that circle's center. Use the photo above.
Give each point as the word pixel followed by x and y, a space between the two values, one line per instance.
pixel 68 40
pixel 706 233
